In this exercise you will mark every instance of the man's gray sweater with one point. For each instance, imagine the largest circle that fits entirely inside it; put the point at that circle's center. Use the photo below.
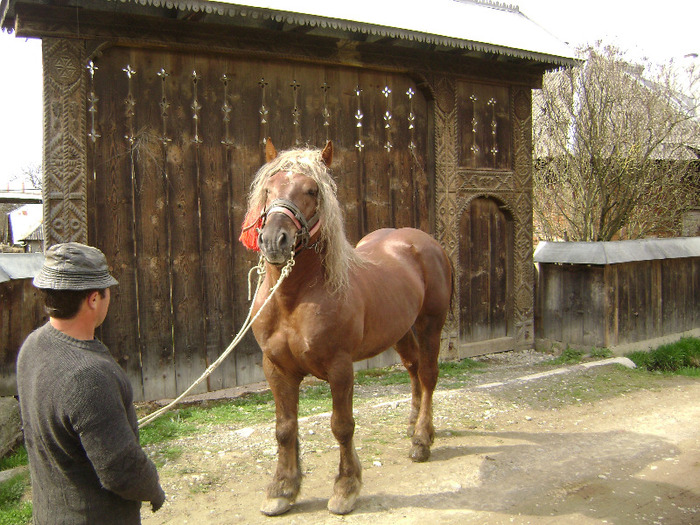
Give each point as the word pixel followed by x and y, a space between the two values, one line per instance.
pixel 81 433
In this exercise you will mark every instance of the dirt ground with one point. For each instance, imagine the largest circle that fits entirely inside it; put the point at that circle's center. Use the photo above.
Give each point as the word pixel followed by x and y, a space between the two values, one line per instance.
pixel 574 447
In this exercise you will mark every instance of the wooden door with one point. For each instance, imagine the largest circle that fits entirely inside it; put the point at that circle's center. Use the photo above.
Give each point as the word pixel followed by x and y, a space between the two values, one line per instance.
pixel 485 266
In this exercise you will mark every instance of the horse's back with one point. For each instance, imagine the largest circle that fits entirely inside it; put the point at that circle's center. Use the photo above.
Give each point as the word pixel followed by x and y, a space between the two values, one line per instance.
pixel 414 251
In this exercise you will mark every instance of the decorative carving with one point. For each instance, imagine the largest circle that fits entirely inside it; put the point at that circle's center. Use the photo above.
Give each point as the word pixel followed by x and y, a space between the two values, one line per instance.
pixel 226 110
pixel 326 114
pixel 387 118
pixel 130 104
pixel 92 101
pixel 411 118
pixel 164 107
pixel 264 111
pixel 359 145
pixel 456 187
pixel 196 108
pixel 296 112
pixel 65 142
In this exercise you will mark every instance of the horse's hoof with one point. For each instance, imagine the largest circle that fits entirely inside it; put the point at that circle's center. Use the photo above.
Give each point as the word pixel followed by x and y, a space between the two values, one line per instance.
pixel 340 505
pixel 419 453
pixel 275 506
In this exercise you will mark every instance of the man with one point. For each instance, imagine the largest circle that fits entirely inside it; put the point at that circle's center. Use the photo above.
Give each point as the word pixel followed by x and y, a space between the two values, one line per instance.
pixel 76 402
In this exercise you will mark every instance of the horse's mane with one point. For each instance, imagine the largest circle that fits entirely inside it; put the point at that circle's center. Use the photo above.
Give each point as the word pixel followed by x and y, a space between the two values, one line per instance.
pixel 338 254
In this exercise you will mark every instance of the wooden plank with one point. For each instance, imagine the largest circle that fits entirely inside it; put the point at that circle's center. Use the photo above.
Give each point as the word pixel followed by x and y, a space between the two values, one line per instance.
pixel 612 307
pixel 572 305
pixel 113 201
pixel 499 275
pixel 216 235
pixel 594 307
pixel 480 271
pixel 189 313
pixel 490 346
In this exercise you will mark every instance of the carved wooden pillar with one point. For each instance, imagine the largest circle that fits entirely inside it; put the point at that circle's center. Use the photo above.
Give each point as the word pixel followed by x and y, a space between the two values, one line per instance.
pixel 65 142
pixel 524 270
pixel 446 185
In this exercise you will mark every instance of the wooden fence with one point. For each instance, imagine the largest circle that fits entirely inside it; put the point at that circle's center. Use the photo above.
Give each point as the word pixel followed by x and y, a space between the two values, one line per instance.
pixel 21 311
pixel 616 294
pixel 607 295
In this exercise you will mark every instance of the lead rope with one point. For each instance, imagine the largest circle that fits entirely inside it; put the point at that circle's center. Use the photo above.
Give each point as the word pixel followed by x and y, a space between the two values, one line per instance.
pixel 260 268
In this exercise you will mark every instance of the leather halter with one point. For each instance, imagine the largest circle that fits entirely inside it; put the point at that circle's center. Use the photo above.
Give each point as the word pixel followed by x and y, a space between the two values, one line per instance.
pixel 305 229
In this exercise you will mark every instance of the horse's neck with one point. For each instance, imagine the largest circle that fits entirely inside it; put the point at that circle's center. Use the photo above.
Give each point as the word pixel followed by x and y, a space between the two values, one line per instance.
pixel 306 273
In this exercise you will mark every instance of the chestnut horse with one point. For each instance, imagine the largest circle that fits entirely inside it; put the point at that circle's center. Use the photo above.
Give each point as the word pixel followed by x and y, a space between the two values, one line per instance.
pixel 338 305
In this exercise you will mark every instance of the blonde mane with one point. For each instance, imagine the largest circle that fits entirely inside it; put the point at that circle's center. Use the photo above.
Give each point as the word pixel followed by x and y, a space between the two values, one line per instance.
pixel 338 254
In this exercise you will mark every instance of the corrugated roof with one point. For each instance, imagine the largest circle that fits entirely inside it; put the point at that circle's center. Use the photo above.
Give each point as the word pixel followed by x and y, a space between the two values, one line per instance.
pixel 20 265
pixel 479 25
pixel 616 252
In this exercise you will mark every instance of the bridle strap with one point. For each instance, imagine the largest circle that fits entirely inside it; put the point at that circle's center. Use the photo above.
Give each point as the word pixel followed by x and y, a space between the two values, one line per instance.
pixel 305 229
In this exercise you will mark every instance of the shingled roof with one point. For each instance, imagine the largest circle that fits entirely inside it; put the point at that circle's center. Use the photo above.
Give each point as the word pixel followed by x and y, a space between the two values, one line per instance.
pixel 474 27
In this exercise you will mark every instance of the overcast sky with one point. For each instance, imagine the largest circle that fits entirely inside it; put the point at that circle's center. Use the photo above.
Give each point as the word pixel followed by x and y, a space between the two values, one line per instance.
pixel 659 31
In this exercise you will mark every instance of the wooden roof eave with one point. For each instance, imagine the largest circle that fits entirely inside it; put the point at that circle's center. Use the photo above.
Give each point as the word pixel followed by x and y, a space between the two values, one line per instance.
pixel 42 21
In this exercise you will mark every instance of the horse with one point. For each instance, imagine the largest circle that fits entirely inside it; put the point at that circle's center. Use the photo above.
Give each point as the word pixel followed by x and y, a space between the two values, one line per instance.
pixel 338 305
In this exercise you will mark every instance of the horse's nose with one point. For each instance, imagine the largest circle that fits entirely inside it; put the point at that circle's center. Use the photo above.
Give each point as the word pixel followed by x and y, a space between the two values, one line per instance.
pixel 275 241
pixel 282 239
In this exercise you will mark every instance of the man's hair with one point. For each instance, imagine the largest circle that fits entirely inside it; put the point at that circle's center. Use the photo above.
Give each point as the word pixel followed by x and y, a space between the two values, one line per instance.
pixel 65 304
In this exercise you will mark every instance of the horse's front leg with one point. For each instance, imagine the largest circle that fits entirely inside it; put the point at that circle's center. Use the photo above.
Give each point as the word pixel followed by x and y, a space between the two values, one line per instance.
pixel 349 481
pixel 284 488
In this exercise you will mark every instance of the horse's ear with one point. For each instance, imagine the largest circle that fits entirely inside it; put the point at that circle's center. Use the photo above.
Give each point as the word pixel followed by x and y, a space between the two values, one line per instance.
pixel 327 154
pixel 270 151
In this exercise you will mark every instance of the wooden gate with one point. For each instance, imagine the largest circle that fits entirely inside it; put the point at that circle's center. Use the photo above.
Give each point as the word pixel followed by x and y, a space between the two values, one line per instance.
pixel 486 275
pixel 174 141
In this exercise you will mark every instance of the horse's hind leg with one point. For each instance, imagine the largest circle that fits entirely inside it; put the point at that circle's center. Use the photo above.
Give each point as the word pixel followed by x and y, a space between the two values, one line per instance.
pixel 428 335
pixel 407 348
pixel 349 480
pixel 285 485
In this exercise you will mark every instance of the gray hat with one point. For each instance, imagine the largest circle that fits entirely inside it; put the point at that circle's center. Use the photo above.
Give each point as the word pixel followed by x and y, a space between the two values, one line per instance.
pixel 74 266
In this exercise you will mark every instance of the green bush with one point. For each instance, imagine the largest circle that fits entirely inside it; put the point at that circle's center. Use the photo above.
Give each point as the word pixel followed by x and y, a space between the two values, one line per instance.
pixel 675 357
pixel 13 511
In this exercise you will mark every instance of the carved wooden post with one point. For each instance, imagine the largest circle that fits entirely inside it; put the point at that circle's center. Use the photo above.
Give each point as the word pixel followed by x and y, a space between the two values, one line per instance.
pixel 521 106
pixel 65 142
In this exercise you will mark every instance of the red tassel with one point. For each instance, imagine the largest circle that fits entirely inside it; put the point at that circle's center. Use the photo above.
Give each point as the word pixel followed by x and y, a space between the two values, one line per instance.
pixel 249 232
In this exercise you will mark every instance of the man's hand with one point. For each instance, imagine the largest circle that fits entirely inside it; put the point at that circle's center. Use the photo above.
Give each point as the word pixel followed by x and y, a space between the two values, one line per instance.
pixel 158 503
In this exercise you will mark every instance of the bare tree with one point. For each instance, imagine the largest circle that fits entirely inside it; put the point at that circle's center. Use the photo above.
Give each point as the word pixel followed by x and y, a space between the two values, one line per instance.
pixel 31 174
pixel 614 149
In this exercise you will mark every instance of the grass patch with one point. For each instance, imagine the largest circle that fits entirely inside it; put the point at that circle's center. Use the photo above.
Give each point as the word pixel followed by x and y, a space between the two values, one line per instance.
pixel 455 374
pixel 382 376
pixel 569 356
pixel 17 459
pixel 14 511
pixel 244 411
pixel 681 357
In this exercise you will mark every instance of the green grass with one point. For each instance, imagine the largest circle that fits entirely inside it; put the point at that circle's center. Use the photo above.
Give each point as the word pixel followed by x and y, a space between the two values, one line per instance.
pixel 17 459
pixel 569 356
pixel 382 376
pixel 455 374
pixel 14 511
pixel 681 357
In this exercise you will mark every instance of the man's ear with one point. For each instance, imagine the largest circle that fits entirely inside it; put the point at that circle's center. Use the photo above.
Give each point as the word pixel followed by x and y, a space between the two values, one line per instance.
pixel 92 299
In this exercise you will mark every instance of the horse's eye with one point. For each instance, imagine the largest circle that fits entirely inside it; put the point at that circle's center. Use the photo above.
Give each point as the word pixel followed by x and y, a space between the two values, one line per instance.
pixel 312 192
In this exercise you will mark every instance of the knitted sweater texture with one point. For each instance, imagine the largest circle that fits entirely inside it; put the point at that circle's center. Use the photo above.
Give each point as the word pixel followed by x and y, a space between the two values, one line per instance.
pixel 81 433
